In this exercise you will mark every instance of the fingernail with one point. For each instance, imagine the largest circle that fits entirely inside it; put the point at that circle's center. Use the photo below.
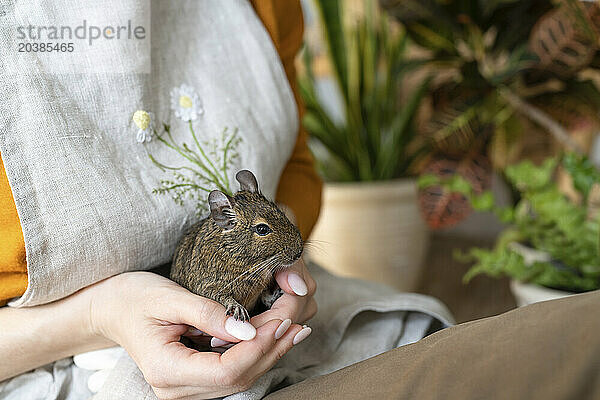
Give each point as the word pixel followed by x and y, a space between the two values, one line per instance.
pixel 300 336
pixel 240 329
pixel 297 284
pixel 195 332
pixel 282 329
pixel 216 342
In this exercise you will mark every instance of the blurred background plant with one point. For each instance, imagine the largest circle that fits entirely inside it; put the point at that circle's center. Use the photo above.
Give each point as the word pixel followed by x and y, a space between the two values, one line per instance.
pixel 551 239
pixel 361 119
pixel 484 91
pixel 515 79
pixel 375 138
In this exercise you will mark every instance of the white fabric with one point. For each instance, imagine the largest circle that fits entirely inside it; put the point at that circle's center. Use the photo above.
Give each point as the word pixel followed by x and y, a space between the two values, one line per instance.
pixel 61 380
pixel 101 363
pixel 81 182
pixel 98 359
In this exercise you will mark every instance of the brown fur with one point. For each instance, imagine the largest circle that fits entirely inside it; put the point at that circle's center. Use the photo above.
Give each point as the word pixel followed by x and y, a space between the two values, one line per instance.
pixel 236 266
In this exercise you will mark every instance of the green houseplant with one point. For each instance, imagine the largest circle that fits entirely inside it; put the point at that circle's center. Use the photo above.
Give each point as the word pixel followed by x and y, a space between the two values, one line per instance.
pixel 376 139
pixel 515 79
pixel 552 239
pixel 369 217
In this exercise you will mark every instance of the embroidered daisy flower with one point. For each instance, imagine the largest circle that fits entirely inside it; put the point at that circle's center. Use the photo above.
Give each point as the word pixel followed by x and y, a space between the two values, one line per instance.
pixel 186 103
pixel 144 121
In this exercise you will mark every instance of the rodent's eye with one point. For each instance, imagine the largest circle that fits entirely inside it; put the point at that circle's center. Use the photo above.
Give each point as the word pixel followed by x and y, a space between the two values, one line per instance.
pixel 262 229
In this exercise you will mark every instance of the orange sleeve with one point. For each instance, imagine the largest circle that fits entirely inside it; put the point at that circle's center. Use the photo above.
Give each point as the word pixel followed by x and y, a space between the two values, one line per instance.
pixel 13 265
pixel 299 186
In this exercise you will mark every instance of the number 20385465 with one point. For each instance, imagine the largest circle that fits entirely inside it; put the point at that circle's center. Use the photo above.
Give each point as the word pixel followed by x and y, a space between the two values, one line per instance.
pixel 35 47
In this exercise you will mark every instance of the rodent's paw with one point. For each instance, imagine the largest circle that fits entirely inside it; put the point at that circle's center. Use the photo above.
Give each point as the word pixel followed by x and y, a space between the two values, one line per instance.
pixel 270 297
pixel 238 312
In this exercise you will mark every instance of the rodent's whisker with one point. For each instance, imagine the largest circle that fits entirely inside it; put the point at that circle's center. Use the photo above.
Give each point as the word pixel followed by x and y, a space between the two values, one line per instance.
pixel 254 270
pixel 316 246
pixel 309 246
pixel 267 264
pixel 317 250
pixel 316 241
pixel 237 278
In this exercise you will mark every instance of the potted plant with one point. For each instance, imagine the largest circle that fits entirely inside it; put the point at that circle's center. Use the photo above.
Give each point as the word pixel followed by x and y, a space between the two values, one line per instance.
pixel 369 225
pixel 551 245
pixel 514 79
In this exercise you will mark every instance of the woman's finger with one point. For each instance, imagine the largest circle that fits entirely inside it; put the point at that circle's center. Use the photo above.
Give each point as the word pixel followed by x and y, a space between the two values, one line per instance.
pixel 178 365
pixel 296 280
pixel 236 369
pixel 294 335
pixel 248 360
pixel 309 311
pixel 244 355
pixel 286 307
pixel 184 307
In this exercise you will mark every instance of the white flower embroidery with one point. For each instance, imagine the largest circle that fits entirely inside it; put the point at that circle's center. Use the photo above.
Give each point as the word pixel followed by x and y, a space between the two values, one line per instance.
pixel 186 103
pixel 144 121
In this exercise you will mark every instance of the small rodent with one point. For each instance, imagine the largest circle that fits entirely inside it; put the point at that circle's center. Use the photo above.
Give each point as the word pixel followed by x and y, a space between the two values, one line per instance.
pixel 232 255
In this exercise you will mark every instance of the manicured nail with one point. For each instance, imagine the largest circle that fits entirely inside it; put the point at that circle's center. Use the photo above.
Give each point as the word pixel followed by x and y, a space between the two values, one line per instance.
pixel 195 332
pixel 297 284
pixel 282 329
pixel 216 342
pixel 240 329
pixel 303 334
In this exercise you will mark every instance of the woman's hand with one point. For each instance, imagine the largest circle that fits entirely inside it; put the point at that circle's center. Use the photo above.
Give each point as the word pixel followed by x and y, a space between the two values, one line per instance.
pixel 297 302
pixel 147 314
pixel 295 305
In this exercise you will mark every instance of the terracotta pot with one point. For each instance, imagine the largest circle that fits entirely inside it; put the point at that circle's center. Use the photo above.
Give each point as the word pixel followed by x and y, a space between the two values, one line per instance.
pixel 372 231
pixel 528 293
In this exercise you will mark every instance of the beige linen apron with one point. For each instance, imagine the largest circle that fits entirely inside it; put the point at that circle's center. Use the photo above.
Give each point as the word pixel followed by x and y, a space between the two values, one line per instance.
pixel 81 181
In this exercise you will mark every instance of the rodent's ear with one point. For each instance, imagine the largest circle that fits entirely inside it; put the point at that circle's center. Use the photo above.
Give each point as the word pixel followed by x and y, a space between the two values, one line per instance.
pixel 247 181
pixel 221 210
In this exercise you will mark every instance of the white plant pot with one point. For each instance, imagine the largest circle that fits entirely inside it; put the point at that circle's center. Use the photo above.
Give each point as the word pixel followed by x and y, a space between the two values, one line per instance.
pixel 372 231
pixel 528 293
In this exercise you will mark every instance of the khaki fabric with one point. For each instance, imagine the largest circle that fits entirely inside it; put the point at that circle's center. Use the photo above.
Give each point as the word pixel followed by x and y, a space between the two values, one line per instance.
pixel 548 350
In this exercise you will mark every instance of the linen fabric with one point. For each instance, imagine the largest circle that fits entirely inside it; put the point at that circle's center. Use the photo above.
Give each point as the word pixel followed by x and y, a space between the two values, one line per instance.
pixel 299 186
pixel 60 380
pixel 81 182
